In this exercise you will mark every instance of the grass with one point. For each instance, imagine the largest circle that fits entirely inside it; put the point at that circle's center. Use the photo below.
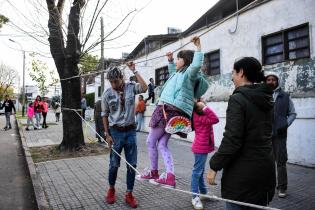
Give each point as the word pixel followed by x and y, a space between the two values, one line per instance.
pixel 46 153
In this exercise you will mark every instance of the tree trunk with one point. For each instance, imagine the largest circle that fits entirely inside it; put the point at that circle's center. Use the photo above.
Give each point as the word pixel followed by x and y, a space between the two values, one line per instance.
pixel 66 61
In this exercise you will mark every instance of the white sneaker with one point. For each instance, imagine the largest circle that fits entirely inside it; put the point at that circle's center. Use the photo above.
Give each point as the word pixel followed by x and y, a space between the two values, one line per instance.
pixel 196 202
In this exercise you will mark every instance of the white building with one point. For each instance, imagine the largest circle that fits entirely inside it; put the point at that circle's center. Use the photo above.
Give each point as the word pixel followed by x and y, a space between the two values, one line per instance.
pixel 280 33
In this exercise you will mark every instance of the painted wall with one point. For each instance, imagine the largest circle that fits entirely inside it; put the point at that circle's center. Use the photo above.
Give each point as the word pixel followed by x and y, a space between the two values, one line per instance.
pixel 297 77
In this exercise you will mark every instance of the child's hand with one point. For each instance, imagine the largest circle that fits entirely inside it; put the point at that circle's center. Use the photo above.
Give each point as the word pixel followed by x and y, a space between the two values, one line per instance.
pixel 200 105
pixel 196 41
pixel 211 177
pixel 169 56
pixel 131 66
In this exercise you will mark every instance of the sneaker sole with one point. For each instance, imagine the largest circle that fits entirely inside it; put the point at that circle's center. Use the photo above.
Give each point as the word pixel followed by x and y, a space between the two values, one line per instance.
pixel 161 185
pixel 138 177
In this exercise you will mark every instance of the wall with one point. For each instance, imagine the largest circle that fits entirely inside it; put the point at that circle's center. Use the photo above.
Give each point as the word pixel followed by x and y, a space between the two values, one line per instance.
pixel 297 77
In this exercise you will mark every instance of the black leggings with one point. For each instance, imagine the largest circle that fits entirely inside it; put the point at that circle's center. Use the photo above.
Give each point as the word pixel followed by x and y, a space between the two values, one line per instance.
pixel 44 119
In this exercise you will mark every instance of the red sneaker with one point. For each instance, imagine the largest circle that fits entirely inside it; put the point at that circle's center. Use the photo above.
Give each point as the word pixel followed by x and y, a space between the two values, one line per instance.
pixel 110 197
pixel 130 200
pixel 166 179
pixel 148 174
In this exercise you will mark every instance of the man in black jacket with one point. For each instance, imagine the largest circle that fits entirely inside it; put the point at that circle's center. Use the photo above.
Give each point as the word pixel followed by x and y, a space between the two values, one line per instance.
pixel 8 105
pixel 284 115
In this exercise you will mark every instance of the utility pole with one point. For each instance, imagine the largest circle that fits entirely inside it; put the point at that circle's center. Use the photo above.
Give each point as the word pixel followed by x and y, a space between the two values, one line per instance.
pixel 102 55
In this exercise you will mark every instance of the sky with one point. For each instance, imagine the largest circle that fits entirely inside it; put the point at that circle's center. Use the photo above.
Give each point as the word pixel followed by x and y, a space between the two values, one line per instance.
pixel 148 17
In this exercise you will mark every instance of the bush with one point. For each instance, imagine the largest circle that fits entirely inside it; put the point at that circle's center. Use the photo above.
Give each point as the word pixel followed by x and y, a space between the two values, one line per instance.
pixel 90 99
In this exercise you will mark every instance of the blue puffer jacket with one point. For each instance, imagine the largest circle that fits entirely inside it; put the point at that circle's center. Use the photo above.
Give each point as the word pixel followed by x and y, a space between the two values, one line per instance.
pixel 179 88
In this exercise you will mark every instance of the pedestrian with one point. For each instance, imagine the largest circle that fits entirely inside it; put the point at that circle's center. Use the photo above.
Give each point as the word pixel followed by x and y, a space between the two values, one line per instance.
pixel 245 153
pixel 30 115
pixel 38 109
pixel 176 99
pixel 44 112
pixel 57 111
pixel 203 120
pixel 99 126
pixel 83 105
pixel 284 115
pixel 8 105
pixel 151 88
pixel 140 109
pixel 118 112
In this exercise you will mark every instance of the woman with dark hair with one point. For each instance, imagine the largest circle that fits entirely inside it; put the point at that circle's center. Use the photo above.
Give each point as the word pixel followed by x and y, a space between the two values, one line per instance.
pixel 38 109
pixel 245 153
pixel 176 100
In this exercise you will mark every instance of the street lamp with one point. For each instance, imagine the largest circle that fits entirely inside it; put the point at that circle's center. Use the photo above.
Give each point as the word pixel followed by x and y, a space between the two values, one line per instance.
pixel 23 88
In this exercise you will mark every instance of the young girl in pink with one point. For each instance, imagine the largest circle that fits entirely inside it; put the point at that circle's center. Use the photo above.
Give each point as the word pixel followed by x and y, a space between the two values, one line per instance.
pixel 30 115
pixel 203 120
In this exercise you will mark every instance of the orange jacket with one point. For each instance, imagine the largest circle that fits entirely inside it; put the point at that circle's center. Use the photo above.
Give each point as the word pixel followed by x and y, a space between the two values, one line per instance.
pixel 140 107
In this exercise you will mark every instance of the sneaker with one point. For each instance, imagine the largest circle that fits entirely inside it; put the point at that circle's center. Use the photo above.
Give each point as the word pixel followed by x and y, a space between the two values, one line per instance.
pixel 196 202
pixel 148 174
pixel 27 129
pixel 130 200
pixel 166 179
pixel 35 128
pixel 110 197
pixel 282 193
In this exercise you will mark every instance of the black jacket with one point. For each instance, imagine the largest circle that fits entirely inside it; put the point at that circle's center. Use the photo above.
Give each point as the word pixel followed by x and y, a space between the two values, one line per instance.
pixel 245 153
pixel 8 106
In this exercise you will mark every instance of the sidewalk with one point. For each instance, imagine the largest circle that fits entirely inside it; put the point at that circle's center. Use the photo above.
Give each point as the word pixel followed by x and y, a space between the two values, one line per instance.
pixel 16 191
pixel 80 183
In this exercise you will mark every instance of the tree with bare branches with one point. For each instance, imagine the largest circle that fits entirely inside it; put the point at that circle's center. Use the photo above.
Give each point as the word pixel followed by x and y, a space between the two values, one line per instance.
pixel 7 78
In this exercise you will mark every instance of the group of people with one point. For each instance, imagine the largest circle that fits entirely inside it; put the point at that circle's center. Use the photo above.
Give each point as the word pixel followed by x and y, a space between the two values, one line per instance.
pixel 257 118
pixel 39 109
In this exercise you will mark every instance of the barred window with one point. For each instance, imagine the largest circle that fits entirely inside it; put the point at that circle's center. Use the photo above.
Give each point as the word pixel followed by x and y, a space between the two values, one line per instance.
pixel 288 44
pixel 161 75
pixel 211 64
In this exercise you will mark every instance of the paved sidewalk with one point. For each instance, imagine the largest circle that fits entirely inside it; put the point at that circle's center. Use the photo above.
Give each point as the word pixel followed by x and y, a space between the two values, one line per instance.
pixel 80 183
pixel 16 190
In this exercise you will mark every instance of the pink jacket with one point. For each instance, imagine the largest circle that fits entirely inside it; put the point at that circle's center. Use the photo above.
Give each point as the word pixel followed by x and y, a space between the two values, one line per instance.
pixel 30 112
pixel 204 137
pixel 45 107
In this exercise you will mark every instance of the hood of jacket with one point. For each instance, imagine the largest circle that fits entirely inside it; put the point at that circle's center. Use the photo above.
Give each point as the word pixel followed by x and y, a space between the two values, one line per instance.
pixel 258 94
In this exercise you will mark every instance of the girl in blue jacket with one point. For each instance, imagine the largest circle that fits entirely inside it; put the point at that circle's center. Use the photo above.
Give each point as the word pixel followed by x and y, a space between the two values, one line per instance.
pixel 176 99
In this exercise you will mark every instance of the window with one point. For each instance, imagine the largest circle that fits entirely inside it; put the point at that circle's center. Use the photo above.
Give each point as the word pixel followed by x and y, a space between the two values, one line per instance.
pixel 289 44
pixel 212 63
pixel 161 75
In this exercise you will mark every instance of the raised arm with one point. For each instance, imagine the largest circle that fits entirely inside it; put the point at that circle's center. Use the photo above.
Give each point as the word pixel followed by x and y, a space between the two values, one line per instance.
pixel 171 65
pixel 196 64
pixel 142 83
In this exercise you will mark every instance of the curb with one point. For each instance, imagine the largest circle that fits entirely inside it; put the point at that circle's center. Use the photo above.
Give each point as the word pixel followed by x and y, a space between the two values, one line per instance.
pixel 41 199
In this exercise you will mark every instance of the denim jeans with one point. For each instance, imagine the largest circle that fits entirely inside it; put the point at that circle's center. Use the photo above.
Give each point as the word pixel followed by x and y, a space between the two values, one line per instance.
pixel 7 118
pixel 38 116
pixel 232 206
pixel 139 120
pixel 197 180
pixel 123 140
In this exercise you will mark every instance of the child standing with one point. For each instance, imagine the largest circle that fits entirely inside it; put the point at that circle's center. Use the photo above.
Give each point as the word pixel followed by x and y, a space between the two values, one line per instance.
pixel 44 112
pixel 203 119
pixel 57 111
pixel 38 108
pixel 140 109
pixel 30 115
pixel 176 99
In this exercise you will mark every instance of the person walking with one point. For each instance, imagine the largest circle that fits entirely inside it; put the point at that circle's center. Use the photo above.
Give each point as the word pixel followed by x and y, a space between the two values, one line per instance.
pixel 140 109
pixel 151 88
pixel 44 112
pixel 8 106
pixel 30 115
pixel 284 115
pixel 118 112
pixel 38 109
pixel 83 105
pixel 245 153
pixel 203 120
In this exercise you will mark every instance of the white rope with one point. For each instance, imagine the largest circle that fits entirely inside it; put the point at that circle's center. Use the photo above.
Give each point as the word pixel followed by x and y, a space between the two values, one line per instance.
pixel 102 139
pixel 213 197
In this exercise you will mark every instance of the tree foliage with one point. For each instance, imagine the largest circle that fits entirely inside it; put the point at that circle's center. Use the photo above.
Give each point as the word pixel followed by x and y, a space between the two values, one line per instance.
pixel 3 20
pixel 39 74
pixel 88 63
pixel 7 78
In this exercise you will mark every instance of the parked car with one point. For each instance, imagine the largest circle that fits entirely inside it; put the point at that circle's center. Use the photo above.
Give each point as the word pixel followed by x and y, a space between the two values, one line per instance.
pixel 1 110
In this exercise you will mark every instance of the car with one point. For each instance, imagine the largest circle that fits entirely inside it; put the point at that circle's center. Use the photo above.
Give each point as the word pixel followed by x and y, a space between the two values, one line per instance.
pixel 1 110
